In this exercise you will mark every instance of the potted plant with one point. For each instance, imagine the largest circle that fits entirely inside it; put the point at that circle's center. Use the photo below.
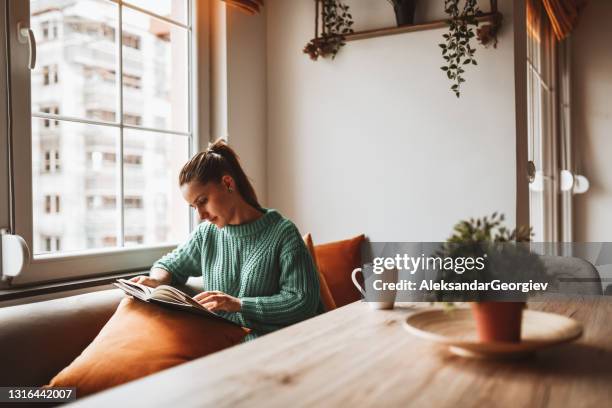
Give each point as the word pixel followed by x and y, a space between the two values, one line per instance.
pixel 404 11
pixel 507 258
pixel 337 21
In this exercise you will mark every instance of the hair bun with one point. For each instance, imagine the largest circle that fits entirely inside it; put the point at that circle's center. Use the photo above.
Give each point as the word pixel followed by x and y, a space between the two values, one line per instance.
pixel 217 147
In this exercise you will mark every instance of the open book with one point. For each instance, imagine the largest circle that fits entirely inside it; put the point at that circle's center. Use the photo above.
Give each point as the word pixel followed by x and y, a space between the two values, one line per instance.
pixel 169 296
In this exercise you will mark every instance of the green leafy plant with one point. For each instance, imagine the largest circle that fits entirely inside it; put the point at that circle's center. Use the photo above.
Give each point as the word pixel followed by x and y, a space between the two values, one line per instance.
pixel 507 256
pixel 337 22
pixel 457 50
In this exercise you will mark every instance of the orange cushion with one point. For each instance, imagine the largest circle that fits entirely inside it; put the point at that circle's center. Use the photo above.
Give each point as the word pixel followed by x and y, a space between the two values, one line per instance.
pixel 336 261
pixel 141 339
pixel 326 296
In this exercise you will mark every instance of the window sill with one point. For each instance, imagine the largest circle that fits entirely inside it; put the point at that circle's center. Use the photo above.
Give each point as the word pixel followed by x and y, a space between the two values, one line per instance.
pixel 57 287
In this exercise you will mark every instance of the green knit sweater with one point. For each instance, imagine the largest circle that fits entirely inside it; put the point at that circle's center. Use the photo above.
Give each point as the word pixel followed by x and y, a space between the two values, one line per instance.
pixel 264 263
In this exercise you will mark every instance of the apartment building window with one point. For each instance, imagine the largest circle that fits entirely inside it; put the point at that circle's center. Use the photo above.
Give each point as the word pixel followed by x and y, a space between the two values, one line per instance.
pixel 101 202
pixel 132 41
pixel 129 119
pixel 49 30
pixel 51 243
pixel 52 204
pixel 133 159
pixel 101 114
pixel 45 30
pixel 50 74
pixel 104 114
pixel 134 239
pixel 53 110
pixel 133 202
pixel 51 162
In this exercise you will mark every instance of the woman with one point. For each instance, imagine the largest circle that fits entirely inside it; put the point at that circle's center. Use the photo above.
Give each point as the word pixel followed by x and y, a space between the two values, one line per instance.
pixel 254 265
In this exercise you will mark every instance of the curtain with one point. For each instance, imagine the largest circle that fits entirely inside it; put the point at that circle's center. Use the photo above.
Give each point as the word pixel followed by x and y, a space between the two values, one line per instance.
pixel 562 14
pixel 534 18
pixel 247 6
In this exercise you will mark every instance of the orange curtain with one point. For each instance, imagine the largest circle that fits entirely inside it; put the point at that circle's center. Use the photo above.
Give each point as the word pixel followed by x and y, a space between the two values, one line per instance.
pixel 248 6
pixel 534 18
pixel 562 14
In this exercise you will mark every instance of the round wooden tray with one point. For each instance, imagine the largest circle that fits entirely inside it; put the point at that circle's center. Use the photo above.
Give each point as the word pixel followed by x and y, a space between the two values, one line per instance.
pixel 457 329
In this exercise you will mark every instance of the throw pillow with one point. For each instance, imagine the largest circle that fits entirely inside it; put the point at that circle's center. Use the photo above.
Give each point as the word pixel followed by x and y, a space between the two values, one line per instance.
pixel 336 261
pixel 326 296
pixel 141 339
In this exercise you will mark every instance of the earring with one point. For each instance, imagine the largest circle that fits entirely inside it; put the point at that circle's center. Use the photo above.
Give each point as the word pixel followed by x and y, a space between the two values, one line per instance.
pixel 229 189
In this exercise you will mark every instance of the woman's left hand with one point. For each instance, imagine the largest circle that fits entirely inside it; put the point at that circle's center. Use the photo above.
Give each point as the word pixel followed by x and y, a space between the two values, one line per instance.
pixel 218 301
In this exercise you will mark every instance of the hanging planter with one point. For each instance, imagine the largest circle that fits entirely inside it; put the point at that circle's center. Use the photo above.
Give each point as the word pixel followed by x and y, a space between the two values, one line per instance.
pixel 336 23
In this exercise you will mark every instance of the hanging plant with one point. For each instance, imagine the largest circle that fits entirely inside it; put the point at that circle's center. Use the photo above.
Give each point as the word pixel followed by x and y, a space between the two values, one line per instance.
pixel 457 50
pixel 336 23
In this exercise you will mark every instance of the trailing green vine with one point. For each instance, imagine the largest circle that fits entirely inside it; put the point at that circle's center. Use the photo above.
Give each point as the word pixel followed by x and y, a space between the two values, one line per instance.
pixel 337 22
pixel 456 50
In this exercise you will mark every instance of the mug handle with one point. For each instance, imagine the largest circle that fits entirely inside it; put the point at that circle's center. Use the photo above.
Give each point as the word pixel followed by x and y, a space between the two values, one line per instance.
pixel 354 279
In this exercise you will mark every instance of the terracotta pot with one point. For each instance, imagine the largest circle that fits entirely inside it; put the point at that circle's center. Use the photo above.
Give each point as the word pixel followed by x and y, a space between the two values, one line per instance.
pixel 498 321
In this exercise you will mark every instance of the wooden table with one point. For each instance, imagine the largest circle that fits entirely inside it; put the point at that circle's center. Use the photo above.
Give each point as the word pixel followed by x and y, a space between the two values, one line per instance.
pixel 357 357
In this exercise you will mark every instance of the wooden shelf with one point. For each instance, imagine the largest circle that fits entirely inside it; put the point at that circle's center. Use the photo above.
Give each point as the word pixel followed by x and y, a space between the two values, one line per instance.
pixel 381 32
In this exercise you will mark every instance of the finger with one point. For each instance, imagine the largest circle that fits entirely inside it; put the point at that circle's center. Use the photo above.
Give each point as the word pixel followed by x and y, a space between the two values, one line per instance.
pixel 136 279
pixel 206 297
pixel 212 306
pixel 202 295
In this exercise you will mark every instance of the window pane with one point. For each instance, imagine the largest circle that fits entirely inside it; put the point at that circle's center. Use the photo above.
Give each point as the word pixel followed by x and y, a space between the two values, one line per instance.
pixel 74 199
pixel 76 59
pixel 155 211
pixel 172 9
pixel 154 73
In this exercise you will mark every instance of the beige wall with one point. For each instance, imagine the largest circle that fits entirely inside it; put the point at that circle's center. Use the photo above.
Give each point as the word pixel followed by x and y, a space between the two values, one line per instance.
pixel 374 141
pixel 592 120
pixel 246 94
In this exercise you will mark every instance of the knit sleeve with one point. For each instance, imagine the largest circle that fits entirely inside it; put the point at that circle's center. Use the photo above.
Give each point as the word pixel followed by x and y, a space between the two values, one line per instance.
pixel 185 260
pixel 298 298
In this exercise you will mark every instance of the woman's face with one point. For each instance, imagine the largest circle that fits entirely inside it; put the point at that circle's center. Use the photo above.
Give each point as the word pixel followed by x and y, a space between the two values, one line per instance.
pixel 212 200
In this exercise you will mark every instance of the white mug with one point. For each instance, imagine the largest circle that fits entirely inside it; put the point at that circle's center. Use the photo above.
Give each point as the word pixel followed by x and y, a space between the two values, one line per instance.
pixel 376 299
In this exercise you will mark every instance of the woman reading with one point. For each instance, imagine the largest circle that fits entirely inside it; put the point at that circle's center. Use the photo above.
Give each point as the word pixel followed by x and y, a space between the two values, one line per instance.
pixel 255 268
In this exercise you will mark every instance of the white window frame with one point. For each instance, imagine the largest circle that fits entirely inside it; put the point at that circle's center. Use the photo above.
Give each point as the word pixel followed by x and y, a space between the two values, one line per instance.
pixel 88 263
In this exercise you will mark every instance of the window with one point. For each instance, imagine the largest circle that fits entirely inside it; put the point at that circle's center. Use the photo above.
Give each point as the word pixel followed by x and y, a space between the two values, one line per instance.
pixel 133 202
pixel 52 204
pixel 132 119
pixel 50 75
pixel 132 41
pixel 97 202
pixel 52 110
pixel 51 243
pixel 45 30
pixel 51 162
pixel 101 114
pixel 49 30
pixel 103 122
pixel 134 159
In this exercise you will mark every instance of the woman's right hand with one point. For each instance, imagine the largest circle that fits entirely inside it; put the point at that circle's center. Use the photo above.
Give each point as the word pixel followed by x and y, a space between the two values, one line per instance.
pixel 146 280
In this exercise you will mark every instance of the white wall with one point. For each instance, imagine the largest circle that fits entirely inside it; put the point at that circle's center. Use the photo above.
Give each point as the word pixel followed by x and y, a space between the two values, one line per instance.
pixel 374 141
pixel 246 93
pixel 592 120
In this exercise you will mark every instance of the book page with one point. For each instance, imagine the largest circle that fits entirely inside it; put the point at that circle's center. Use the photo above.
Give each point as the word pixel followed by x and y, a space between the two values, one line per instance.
pixel 164 292
pixel 145 290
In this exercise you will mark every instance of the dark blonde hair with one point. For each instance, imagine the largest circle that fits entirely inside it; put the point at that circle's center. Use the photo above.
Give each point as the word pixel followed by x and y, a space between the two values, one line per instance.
pixel 215 162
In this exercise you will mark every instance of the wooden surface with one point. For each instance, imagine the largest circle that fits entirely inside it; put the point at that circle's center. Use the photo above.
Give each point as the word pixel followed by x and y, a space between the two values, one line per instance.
pixel 358 357
pixel 409 28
